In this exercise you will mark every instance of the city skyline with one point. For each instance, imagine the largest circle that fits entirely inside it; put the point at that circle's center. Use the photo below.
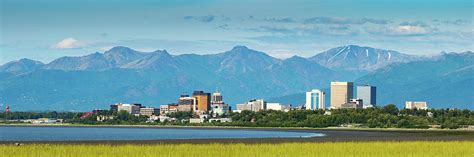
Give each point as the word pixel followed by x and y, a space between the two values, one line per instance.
pixel 237 77
pixel 49 29
pixel 315 99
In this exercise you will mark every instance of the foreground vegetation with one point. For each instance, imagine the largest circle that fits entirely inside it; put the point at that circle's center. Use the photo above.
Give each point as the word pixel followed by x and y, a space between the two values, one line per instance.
pixel 382 117
pixel 366 149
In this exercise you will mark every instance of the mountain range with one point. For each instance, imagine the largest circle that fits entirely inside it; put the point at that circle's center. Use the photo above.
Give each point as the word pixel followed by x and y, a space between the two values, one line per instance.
pixel 444 81
pixel 447 80
pixel 154 78
pixel 356 58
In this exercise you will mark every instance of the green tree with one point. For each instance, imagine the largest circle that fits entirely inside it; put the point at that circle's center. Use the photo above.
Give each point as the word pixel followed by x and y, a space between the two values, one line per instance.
pixel 391 109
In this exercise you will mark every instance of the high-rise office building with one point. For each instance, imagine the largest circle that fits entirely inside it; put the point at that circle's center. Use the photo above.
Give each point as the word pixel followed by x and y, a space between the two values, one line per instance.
pixel 203 101
pixel 315 99
pixel 368 94
pixel 341 93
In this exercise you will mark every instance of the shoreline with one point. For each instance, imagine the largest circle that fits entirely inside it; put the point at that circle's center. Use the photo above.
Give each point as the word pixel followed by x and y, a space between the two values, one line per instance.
pixel 332 135
pixel 239 127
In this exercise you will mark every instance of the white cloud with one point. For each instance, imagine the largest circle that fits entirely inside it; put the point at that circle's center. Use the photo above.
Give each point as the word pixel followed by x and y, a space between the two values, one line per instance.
pixel 68 43
pixel 409 29
pixel 404 30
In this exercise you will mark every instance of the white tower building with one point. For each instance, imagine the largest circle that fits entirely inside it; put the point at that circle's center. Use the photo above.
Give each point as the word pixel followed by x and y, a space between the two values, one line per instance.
pixel 315 99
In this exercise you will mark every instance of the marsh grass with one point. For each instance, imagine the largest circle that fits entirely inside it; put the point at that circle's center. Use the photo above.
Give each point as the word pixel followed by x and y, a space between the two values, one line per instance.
pixel 365 149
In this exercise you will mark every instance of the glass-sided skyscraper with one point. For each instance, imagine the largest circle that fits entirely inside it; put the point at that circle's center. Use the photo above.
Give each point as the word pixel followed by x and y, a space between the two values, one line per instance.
pixel 341 93
pixel 368 94
pixel 315 99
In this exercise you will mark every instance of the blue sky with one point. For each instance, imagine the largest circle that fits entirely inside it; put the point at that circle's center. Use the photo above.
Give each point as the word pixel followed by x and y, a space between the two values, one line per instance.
pixel 48 29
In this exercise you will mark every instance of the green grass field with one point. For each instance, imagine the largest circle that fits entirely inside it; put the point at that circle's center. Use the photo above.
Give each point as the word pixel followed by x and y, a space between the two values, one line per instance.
pixel 376 149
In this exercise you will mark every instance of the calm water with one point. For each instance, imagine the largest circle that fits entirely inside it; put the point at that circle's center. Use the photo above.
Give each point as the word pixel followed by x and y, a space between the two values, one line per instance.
pixel 88 133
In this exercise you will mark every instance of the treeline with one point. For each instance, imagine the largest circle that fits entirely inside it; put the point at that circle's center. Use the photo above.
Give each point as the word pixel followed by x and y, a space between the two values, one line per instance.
pixel 36 115
pixel 122 117
pixel 112 118
pixel 385 117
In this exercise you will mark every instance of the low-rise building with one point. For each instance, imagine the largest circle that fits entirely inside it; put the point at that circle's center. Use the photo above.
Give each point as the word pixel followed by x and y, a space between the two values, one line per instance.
pixel 219 109
pixel 416 105
pixel 195 120
pixel 286 108
pixel 164 118
pixel 275 106
pixel 148 111
pixel 173 108
pixel 429 114
pixel 114 108
pixel 130 108
pixel 299 107
pixel 353 103
pixel 253 105
pixel 202 118
pixel 348 105
pixel 237 111
pixel 102 118
pixel 187 103
pixel 185 108
pixel 359 102
pixel 44 121
pixel 327 113
pixel 221 120
pixel 165 109
pixel 243 107
pixel 96 111
pixel 153 118
pixel 366 106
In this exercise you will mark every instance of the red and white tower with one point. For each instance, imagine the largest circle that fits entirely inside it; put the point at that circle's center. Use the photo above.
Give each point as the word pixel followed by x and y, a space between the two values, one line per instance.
pixel 7 109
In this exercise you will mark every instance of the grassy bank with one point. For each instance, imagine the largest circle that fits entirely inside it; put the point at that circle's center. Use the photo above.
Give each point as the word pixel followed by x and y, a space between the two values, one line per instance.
pixel 418 148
